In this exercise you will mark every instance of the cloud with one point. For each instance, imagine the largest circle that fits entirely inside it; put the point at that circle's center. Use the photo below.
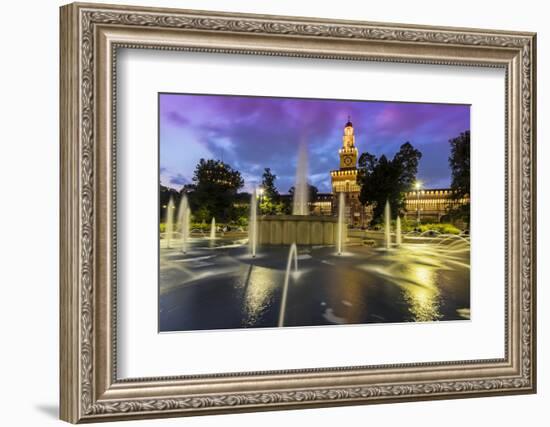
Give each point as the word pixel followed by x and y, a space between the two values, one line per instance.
pixel 251 133
pixel 176 118
pixel 179 179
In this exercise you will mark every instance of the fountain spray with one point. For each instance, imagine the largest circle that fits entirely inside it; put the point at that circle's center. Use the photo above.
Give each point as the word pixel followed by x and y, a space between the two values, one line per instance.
pixel 169 233
pixel 341 213
pixel 301 191
pixel 292 254
pixel 184 216
pixel 387 224
pixel 253 224
pixel 213 229
pixel 398 231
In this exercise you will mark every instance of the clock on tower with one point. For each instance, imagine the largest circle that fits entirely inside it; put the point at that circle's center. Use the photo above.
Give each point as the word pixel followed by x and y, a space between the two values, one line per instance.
pixel 348 152
pixel 344 179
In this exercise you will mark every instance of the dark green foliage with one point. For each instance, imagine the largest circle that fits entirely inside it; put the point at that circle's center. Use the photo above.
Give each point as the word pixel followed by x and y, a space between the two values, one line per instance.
pixel 215 187
pixel 270 203
pixel 286 204
pixel 382 179
pixel 268 185
pixel 165 194
pixel 459 161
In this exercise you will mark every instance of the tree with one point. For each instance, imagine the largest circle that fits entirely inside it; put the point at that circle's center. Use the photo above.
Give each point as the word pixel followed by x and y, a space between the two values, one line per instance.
pixel 382 179
pixel 313 191
pixel 406 160
pixel 270 200
pixel 268 185
pixel 459 162
pixel 188 188
pixel 165 194
pixel 216 185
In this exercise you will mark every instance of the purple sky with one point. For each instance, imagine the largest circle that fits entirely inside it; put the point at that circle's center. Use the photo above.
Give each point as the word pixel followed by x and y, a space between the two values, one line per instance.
pixel 251 133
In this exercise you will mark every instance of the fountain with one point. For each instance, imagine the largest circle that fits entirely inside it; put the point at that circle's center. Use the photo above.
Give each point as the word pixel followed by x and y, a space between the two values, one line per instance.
pixel 301 190
pixel 300 227
pixel 341 212
pixel 213 229
pixel 184 219
pixel 169 232
pixel 253 224
pixel 398 231
pixel 293 253
pixel 387 224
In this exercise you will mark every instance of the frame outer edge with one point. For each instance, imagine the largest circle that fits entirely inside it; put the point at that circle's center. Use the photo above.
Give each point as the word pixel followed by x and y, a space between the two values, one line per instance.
pixel 77 342
pixel 69 354
pixel 533 201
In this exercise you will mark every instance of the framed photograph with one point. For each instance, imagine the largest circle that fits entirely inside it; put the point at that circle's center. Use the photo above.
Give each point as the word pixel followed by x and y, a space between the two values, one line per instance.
pixel 266 212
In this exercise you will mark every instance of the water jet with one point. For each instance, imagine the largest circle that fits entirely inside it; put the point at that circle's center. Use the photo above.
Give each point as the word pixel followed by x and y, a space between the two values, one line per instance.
pixel 292 254
pixel 387 225
pixel 169 232
pixel 301 190
pixel 253 224
pixel 340 232
pixel 184 219
pixel 213 229
pixel 398 238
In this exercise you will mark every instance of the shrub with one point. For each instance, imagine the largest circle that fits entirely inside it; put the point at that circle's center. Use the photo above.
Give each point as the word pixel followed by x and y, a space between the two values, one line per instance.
pixel 443 228
pixel 242 221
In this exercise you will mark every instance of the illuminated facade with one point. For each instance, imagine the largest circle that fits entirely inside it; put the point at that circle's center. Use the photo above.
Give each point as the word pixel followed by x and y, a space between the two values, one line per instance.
pixel 425 204
pixel 344 179
pixel 322 205
pixel 430 204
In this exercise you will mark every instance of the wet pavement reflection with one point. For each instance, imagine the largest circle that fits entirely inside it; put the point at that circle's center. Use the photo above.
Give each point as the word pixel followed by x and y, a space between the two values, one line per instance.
pixel 218 285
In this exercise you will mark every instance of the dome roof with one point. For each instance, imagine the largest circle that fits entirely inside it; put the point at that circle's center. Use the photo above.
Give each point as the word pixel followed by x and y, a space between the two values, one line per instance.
pixel 349 123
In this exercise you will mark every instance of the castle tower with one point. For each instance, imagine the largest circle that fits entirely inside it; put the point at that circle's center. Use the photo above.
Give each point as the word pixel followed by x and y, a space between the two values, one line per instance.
pixel 344 180
pixel 348 152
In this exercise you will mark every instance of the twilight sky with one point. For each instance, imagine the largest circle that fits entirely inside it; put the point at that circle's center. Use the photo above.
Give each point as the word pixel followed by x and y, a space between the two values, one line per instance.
pixel 251 133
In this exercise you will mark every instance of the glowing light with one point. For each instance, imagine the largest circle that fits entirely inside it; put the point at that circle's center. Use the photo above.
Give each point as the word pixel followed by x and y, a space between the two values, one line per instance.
pixel 259 287
pixel 423 295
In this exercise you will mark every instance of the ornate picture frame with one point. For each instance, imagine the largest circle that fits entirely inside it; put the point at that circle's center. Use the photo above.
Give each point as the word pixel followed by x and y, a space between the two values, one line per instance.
pixel 90 37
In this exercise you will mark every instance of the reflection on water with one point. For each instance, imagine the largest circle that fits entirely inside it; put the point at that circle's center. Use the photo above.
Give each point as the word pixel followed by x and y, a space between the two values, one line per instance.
pixel 423 296
pixel 415 269
pixel 259 293
pixel 218 285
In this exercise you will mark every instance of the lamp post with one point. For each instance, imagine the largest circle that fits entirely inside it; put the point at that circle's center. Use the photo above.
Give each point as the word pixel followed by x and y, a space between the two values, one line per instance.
pixel 417 186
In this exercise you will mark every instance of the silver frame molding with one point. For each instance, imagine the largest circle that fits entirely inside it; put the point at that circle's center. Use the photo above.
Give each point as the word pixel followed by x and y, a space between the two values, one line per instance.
pixel 90 37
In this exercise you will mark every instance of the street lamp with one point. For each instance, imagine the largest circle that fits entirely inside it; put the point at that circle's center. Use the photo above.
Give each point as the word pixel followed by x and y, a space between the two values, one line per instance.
pixel 417 186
